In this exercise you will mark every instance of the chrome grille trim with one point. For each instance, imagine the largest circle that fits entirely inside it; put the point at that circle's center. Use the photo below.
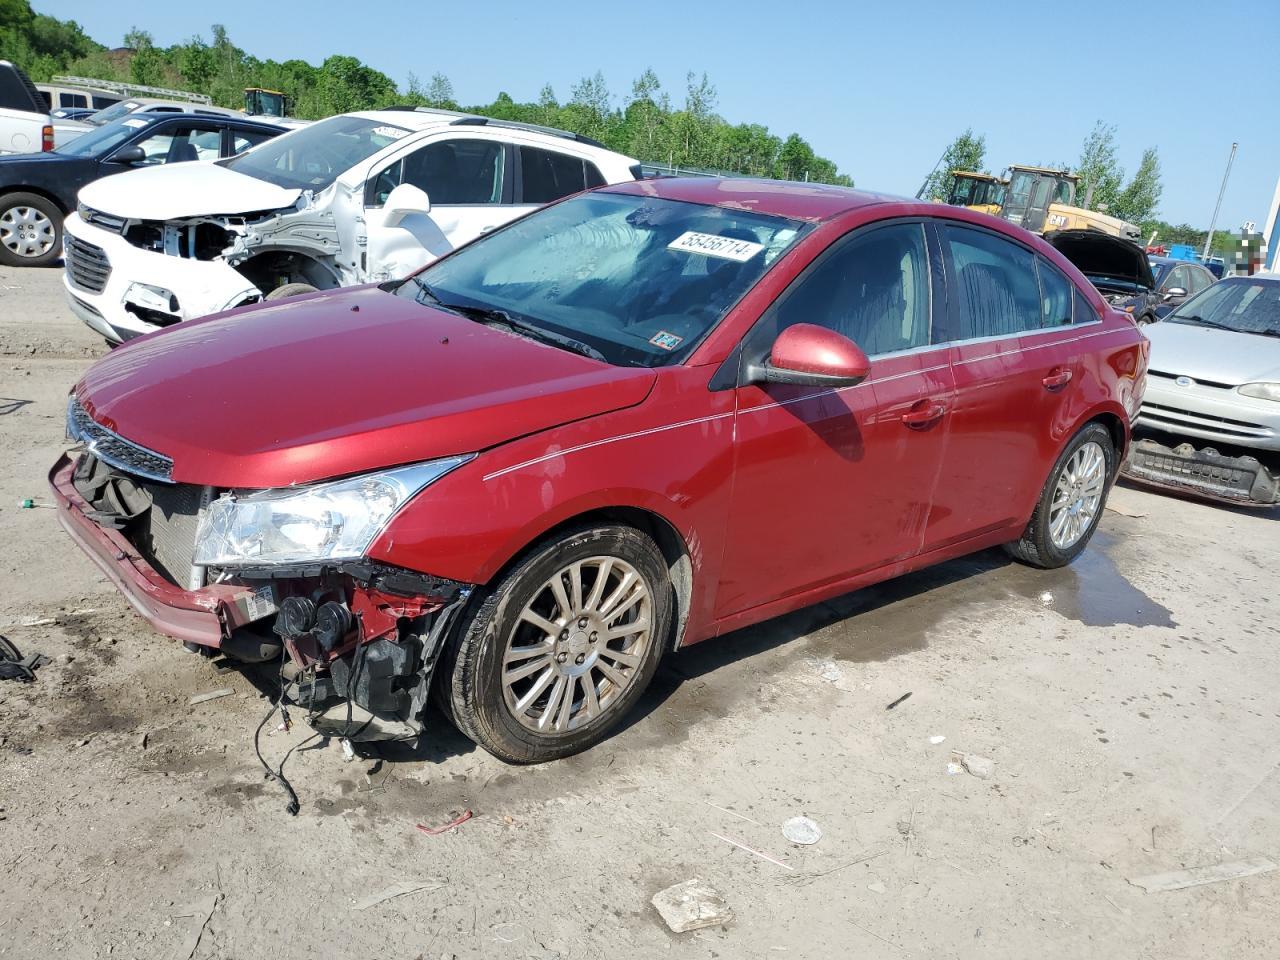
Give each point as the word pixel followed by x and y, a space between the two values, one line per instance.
pixel 87 265
pixel 114 449
pixel 104 221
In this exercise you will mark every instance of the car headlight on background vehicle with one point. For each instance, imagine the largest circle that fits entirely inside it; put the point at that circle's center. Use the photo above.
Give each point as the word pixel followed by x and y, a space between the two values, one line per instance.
pixel 326 521
pixel 1261 391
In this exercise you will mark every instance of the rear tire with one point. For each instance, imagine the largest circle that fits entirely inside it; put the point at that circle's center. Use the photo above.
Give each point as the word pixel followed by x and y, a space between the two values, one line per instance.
pixel 1071 504
pixel 30 230
pixel 287 290
pixel 550 660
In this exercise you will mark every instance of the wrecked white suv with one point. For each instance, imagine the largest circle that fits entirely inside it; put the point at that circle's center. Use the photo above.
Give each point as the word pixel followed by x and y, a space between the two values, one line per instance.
pixel 357 198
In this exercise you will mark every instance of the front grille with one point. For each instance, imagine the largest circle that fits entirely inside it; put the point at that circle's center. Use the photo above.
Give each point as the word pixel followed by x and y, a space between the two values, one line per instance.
pixel 114 449
pixel 1171 418
pixel 104 221
pixel 167 536
pixel 87 265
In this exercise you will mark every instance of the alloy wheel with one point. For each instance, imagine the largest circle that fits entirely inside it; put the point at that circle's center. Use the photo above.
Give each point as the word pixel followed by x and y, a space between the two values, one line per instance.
pixel 26 232
pixel 1078 495
pixel 577 645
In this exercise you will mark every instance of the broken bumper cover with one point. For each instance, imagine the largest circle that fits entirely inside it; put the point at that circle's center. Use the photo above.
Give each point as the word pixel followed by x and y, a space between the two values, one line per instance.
pixel 140 283
pixel 204 616
pixel 1206 473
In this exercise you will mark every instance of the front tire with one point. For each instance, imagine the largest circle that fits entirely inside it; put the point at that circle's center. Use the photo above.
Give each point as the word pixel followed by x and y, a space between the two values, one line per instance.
pixel 30 230
pixel 560 649
pixel 1071 504
pixel 287 290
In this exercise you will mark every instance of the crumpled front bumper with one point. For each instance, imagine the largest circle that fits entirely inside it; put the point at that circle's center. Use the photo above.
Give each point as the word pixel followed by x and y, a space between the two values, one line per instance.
pixel 204 616
pixel 147 280
pixel 1205 473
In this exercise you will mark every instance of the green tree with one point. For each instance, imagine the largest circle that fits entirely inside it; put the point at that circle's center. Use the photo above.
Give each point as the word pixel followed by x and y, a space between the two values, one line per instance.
pixel 1140 197
pixel 439 93
pixel 966 152
pixel 1100 173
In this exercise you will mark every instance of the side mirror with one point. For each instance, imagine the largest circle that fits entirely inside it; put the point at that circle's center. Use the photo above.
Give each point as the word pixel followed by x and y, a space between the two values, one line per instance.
pixel 805 353
pixel 1174 293
pixel 128 155
pixel 403 201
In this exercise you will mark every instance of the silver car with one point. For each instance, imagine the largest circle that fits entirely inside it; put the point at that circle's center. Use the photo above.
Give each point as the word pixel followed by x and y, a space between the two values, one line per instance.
pixel 1214 377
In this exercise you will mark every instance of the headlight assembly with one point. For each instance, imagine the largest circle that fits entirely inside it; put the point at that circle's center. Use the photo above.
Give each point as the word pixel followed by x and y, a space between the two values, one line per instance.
pixel 1261 391
pixel 325 521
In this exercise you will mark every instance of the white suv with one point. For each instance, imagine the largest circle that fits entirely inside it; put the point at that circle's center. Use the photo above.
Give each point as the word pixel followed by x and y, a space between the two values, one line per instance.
pixel 357 198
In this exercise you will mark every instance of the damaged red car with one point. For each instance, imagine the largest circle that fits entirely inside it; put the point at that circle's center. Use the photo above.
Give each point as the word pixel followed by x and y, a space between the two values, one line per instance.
pixel 633 420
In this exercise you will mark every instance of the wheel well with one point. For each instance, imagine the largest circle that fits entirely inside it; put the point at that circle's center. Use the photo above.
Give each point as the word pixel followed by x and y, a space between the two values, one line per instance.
pixel 1115 427
pixel 668 539
pixel 274 268
pixel 39 193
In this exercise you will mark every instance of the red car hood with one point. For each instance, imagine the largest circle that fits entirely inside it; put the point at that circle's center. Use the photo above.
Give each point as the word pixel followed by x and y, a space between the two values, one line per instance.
pixel 339 383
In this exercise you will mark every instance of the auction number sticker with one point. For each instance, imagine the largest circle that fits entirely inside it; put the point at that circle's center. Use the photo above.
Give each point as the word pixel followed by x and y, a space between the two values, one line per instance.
pixel 391 133
pixel 708 244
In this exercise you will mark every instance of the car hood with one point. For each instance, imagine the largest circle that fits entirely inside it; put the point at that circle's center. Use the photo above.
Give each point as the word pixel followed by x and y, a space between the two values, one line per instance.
pixel 339 383
pixel 1216 356
pixel 184 190
pixel 1097 254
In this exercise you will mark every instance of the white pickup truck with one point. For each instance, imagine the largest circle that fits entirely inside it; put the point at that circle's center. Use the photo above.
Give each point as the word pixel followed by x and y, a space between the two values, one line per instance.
pixel 25 124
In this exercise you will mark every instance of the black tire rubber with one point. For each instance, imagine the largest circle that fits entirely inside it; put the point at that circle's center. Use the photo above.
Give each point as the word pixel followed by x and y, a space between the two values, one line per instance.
pixel 287 290
pixel 469 672
pixel 1036 547
pixel 50 210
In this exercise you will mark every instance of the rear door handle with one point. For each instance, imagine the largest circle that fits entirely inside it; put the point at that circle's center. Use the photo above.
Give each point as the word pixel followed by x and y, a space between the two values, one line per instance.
pixel 1057 379
pixel 924 413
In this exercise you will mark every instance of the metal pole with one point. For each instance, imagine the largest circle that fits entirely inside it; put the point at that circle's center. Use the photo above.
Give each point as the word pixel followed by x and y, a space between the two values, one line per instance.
pixel 1208 240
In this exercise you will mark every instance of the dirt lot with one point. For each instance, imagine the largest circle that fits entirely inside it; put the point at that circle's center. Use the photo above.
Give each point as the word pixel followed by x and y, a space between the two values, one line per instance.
pixel 1128 704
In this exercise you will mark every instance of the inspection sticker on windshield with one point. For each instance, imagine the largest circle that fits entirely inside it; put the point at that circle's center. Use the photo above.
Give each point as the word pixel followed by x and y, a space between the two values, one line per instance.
pixel 667 341
pixel 708 244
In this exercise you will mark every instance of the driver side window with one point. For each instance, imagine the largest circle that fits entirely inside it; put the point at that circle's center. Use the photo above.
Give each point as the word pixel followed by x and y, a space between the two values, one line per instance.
pixel 181 142
pixel 450 172
pixel 873 289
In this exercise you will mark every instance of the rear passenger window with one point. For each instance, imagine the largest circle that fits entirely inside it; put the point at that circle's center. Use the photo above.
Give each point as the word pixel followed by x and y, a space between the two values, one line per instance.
pixel 1055 296
pixel 549 176
pixel 1084 312
pixel 999 294
pixel 873 289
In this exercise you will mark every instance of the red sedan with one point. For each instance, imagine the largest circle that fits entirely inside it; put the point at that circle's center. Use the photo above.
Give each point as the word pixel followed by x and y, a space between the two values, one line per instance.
pixel 636 419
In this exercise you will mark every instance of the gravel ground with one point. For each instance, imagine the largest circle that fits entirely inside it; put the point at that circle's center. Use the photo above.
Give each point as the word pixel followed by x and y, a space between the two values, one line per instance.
pixel 1127 703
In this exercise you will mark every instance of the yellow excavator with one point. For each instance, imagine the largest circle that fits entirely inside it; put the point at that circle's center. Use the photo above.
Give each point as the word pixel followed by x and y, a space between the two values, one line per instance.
pixel 1039 199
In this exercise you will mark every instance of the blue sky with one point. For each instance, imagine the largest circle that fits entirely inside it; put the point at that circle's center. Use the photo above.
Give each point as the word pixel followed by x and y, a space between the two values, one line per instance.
pixel 878 88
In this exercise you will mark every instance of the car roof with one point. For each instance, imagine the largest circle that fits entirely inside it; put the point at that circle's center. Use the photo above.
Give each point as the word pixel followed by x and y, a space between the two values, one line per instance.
pixel 419 119
pixel 813 202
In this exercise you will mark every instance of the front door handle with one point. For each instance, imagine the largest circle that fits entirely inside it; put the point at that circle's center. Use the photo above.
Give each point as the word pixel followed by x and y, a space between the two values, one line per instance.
pixel 924 413
pixel 1057 379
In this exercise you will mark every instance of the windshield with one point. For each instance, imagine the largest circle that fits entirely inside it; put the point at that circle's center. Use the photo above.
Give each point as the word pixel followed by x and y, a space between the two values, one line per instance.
pixel 1242 304
pixel 638 279
pixel 314 156
pixel 97 143
pixel 113 112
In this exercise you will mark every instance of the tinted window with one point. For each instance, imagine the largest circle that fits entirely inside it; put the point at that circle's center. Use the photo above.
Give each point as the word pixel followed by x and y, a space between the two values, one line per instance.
pixel 73 100
pixel 242 140
pixel 1084 312
pixel 998 291
pixel 1055 296
pixel 450 172
pixel 549 176
pixel 101 103
pixel 873 289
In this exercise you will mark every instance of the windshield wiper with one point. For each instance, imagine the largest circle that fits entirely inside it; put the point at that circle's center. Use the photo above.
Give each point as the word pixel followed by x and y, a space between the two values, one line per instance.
pixel 1196 319
pixel 491 316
